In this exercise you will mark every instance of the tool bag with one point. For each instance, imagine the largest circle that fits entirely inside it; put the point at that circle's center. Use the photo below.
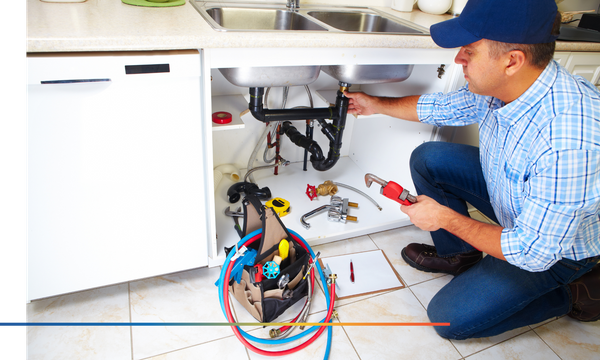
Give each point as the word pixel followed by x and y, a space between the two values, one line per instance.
pixel 268 298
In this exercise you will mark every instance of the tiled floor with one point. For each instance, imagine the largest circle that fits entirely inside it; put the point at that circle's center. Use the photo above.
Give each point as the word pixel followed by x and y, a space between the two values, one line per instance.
pixel 192 297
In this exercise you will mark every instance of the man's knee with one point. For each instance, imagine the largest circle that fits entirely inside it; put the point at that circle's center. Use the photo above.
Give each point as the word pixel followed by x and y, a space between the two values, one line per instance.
pixel 440 311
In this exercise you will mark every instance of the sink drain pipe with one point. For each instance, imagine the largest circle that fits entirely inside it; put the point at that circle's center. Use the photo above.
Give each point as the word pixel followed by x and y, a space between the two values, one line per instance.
pixel 333 131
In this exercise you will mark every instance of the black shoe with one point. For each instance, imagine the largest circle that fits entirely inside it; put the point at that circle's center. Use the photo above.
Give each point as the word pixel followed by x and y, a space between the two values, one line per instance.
pixel 586 296
pixel 425 258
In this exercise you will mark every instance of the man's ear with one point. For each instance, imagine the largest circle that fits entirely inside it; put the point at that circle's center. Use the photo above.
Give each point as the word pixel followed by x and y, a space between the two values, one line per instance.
pixel 515 62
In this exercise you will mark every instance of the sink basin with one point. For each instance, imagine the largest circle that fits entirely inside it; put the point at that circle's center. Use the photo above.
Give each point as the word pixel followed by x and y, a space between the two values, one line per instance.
pixel 361 22
pixel 275 17
pixel 233 18
pixel 272 76
pixel 368 74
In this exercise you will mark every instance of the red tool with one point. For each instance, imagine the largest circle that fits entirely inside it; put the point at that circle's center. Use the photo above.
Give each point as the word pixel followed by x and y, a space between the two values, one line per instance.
pixel 391 190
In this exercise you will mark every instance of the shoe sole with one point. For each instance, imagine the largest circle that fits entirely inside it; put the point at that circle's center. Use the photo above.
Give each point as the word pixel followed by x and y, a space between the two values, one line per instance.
pixel 413 264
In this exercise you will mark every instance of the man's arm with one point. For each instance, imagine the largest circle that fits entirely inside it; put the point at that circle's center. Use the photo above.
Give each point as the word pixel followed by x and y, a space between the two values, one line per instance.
pixel 403 108
pixel 427 214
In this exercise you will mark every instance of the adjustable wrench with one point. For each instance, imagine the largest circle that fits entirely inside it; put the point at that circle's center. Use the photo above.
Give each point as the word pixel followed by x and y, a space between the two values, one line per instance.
pixel 391 190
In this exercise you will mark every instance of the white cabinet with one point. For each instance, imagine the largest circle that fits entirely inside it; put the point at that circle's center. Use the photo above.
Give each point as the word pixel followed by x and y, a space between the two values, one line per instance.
pixel 116 169
pixel 586 65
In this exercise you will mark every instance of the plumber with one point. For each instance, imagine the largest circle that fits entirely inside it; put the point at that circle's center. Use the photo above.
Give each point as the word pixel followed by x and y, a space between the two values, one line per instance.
pixel 536 173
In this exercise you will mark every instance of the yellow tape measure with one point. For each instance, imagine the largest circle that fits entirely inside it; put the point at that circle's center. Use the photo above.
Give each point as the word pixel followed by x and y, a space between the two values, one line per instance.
pixel 281 206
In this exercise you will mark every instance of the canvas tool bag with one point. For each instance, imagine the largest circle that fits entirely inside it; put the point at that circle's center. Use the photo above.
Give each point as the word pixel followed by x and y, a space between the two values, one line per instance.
pixel 267 299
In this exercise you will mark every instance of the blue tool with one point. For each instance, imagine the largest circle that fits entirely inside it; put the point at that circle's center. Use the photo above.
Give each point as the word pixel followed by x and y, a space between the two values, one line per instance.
pixel 247 258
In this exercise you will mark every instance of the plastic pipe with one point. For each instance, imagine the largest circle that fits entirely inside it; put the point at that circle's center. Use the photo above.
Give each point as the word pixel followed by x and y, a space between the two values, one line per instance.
pixel 229 170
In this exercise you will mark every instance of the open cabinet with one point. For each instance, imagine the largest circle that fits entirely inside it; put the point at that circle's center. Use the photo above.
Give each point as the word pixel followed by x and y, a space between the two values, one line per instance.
pixel 371 144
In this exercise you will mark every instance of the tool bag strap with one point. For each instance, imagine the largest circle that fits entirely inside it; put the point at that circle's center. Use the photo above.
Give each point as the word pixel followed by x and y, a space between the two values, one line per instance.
pixel 273 232
pixel 253 213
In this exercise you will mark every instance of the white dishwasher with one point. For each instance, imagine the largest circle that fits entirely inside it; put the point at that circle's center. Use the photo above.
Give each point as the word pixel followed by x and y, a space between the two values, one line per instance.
pixel 116 167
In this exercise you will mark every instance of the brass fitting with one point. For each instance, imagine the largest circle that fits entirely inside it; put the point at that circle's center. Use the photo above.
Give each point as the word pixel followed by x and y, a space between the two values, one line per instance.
pixel 327 188
pixel 334 314
pixel 273 333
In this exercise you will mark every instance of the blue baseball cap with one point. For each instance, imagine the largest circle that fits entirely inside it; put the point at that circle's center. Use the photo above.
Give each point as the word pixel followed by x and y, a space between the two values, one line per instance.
pixel 509 21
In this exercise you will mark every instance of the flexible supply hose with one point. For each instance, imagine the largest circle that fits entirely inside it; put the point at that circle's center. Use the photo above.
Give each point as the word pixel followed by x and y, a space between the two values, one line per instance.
pixel 224 295
pixel 237 333
pixel 224 299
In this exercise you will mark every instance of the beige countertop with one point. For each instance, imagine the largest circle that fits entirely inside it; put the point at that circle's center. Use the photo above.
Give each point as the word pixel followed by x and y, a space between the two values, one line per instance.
pixel 110 25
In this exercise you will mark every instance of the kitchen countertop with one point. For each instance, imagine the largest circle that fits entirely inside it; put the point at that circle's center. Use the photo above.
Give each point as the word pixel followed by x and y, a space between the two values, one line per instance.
pixel 110 25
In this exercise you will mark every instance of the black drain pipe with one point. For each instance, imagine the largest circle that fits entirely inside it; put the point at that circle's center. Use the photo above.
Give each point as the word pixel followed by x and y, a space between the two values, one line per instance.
pixel 333 131
pixel 267 115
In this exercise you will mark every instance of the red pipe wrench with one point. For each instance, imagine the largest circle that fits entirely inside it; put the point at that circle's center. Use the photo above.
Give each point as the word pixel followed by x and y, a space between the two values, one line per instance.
pixel 391 190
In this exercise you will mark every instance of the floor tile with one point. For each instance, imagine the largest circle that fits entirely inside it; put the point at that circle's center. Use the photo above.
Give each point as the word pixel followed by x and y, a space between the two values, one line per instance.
pixel 225 349
pixel 393 241
pixel 471 346
pixel 527 346
pixel 189 296
pixel 572 339
pixel 343 247
pixel 406 342
pixel 108 304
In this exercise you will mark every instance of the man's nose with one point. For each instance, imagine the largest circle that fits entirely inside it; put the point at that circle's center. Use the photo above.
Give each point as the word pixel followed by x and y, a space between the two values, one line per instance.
pixel 460 58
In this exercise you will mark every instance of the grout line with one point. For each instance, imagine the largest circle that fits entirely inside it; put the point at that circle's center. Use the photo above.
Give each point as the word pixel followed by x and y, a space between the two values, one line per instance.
pixel 349 339
pixel 544 341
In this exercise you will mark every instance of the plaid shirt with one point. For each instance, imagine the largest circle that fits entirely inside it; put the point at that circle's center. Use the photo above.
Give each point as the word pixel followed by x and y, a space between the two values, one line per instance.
pixel 540 157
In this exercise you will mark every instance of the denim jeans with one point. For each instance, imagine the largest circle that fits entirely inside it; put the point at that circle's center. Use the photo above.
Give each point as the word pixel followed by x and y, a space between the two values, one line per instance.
pixel 493 296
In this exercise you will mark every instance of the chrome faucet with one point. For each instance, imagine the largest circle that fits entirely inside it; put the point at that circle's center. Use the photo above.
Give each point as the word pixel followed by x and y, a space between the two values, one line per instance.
pixel 293 4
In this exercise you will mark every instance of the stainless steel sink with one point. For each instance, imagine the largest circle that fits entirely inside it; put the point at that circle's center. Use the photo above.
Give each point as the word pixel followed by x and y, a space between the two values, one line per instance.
pixel 233 16
pixel 360 21
pixel 271 76
pixel 368 74
pixel 245 19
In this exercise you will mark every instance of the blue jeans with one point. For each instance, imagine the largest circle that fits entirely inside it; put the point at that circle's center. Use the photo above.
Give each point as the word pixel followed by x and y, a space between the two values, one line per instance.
pixel 493 296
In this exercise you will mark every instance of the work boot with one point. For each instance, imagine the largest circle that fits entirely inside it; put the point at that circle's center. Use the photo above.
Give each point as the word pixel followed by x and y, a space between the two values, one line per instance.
pixel 425 258
pixel 586 296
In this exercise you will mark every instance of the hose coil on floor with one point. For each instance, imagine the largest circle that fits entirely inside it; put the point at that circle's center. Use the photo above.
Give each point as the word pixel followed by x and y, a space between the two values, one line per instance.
pixel 243 336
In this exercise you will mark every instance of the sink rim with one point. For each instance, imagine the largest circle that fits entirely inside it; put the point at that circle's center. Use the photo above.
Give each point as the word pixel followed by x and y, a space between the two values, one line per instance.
pixel 203 6
pixel 217 26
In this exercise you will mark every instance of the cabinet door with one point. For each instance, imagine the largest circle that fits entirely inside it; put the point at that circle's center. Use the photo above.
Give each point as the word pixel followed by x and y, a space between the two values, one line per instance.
pixel 586 65
pixel 115 170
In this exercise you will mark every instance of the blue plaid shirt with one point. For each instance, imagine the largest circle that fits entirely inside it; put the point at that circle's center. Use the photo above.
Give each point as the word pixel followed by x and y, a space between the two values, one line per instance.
pixel 540 156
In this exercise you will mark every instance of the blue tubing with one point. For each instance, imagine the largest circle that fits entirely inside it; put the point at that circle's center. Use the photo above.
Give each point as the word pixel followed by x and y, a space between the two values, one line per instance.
pixel 222 283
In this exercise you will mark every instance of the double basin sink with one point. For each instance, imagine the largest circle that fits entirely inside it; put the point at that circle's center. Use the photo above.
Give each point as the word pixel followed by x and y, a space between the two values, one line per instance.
pixel 232 16
pixel 260 17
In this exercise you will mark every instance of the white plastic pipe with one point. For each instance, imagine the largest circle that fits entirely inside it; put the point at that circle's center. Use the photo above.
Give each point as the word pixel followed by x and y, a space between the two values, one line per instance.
pixel 229 170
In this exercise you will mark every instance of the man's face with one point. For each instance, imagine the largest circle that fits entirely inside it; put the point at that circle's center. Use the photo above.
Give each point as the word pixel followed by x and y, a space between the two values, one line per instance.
pixel 483 73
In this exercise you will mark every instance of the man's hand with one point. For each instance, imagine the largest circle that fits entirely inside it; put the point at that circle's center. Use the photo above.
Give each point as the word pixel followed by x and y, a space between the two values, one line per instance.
pixel 402 108
pixel 361 103
pixel 425 214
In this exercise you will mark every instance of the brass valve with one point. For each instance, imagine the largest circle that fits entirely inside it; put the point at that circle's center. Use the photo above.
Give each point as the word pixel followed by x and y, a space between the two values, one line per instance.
pixel 327 188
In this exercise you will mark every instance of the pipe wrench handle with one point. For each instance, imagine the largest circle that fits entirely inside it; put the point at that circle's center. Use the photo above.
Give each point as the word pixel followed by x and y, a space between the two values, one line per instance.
pixel 397 193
